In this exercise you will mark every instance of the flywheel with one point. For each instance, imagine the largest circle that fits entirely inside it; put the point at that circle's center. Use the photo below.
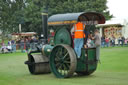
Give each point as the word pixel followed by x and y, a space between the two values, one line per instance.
pixel 62 36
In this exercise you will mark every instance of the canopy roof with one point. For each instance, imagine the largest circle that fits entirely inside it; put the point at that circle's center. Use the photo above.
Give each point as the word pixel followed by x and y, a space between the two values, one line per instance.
pixel 109 25
pixel 72 18
pixel 25 33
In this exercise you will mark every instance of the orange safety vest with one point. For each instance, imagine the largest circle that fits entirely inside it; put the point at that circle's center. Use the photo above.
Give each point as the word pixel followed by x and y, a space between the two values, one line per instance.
pixel 79 30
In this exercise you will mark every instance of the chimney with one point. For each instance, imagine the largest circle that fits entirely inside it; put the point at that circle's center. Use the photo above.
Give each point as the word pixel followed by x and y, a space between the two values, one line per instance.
pixel 45 25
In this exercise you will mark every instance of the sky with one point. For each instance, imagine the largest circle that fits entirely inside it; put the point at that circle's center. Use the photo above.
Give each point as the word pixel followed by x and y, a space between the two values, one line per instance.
pixel 119 8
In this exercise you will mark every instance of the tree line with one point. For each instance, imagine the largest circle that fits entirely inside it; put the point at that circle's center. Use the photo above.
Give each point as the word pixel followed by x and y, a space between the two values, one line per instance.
pixel 28 12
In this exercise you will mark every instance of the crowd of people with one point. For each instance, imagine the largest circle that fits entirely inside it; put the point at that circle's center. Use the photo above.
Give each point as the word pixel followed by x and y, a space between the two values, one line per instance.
pixel 10 46
pixel 107 42
pixel 24 44
pixel 28 43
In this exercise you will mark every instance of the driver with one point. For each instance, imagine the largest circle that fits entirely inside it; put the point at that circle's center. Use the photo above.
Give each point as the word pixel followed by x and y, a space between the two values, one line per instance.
pixel 79 35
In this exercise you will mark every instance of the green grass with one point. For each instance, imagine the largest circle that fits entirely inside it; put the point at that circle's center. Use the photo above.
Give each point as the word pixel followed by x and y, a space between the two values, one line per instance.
pixel 113 70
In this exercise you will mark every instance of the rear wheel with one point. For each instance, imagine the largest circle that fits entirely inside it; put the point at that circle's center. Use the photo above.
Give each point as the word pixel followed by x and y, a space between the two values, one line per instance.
pixel 63 61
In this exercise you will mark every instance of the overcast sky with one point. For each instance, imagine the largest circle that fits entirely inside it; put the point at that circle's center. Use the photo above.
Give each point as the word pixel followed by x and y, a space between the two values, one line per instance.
pixel 119 8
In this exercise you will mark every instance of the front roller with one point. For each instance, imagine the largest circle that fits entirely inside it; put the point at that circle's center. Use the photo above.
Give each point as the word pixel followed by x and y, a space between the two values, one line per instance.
pixel 38 64
pixel 63 61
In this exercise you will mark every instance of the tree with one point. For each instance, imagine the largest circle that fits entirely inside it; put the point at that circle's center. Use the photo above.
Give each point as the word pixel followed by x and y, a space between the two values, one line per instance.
pixel 79 6
pixel 28 12
pixel 11 14
pixel 32 16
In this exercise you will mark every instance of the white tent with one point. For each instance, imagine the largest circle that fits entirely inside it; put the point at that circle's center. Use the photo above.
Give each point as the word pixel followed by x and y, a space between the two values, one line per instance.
pixel 115 21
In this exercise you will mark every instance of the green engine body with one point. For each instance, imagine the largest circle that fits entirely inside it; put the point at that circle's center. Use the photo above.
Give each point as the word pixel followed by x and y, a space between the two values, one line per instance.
pixel 62 43
pixel 58 56
pixel 87 63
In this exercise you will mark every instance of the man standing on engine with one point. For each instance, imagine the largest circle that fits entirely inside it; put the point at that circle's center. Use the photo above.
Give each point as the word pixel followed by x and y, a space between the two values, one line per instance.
pixel 78 30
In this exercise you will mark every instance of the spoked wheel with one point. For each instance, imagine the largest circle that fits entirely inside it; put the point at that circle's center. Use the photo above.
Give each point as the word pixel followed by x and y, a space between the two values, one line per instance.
pixel 63 61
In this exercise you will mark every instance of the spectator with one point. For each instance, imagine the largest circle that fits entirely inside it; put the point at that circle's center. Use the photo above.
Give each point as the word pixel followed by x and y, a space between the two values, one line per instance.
pixel 102 41
pixel 116 41
pixel 90 43
pixel 9 47
pixel 119 40
pixel 22 45
pixel 3 47
pixel 113 41
pixel 122 41
pixel 107 41
pixel 2 43
pixel 126 41
pixel 33 43
pixel 27 45
pixel 13 42
pixel 97 40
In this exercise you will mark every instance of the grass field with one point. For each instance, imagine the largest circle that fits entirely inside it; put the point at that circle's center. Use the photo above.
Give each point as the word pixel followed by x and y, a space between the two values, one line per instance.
pixel 113 70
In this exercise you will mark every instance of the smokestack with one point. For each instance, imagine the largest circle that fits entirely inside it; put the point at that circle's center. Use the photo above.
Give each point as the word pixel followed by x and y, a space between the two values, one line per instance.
pixel 45 25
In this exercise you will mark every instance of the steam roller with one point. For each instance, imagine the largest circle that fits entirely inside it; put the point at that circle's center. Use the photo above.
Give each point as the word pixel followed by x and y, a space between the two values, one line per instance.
pixel 60 57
